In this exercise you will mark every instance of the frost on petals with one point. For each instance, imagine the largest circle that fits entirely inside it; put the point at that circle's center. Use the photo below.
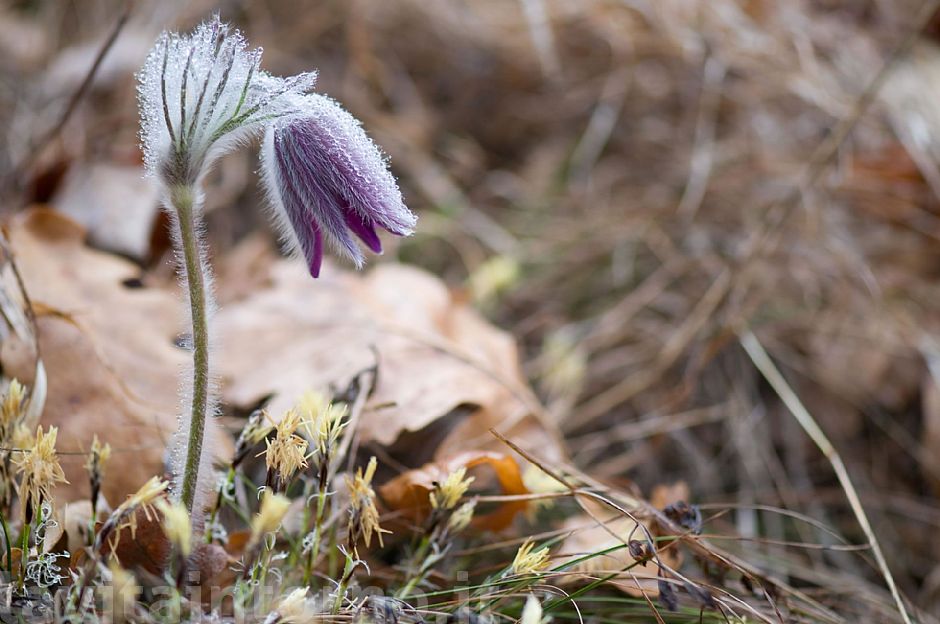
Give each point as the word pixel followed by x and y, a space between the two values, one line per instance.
pixel 329 182
pixel 202 93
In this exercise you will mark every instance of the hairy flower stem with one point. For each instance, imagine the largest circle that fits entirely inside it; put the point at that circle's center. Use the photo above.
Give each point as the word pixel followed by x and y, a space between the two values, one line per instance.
pixel 183 201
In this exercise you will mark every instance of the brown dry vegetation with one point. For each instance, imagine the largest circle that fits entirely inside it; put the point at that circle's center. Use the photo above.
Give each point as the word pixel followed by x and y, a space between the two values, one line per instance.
pixel 659 172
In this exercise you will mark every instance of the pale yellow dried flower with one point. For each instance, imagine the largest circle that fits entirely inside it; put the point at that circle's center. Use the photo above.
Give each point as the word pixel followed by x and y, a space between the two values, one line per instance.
pixel 532 612
pixel 98 457
pixel 125 515
pixel 363 515
pixel 273 509
pixel 447 494
pixel 323 421
pixel 293 609
pixel 528 561
pixel 286 453
pixel 22 437
pixel 461 518
pixel 12 404
pixel 39 469
pixel 176 525
pixel 145 495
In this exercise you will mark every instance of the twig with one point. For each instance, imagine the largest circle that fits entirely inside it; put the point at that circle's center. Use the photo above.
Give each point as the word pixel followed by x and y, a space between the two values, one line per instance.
pixel 768 369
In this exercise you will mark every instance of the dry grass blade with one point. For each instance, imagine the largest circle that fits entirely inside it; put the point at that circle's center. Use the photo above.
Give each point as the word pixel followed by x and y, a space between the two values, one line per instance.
pixel 765 365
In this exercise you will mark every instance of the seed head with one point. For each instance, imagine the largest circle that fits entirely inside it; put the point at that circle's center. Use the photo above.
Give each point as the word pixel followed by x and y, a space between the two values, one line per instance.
pixel 273 509
pixel 99 455
pixel 323 421
pixel 22 437
pixel 286 453
pixel 532 612
pixel 529 561
pixel 327 180
pixel 363 515
pixel 292 609
pixel 39 470
pixel 146 494
pixel 461 518
pixel 12 405
pixel 125 516
pixel 447 494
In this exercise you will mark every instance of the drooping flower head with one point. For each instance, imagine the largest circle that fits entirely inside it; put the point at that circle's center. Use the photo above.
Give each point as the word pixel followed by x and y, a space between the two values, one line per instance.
pixel 202 93
pixel 329 182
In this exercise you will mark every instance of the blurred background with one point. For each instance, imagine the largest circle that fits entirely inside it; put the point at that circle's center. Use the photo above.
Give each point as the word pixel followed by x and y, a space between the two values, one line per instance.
pixel 624 185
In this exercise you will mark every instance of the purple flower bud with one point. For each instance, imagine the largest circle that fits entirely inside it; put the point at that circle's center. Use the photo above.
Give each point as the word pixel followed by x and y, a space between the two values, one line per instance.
pixel 328 181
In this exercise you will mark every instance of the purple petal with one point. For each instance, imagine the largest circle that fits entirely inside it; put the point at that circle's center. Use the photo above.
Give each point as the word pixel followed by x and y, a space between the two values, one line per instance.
pixel 309 187
pixel 296 222
pixel 332 183
pixel 364 229
pixel 315 260
pixel 352 165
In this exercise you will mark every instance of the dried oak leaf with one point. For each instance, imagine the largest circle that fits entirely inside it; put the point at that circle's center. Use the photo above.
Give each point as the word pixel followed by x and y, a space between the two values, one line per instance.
pixel 108 345
pixel 142 545
pixel 435 357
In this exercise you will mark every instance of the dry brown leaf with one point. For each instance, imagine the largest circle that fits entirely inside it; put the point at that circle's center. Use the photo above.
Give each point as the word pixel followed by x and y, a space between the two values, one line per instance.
pixel 408 492
pixel 108 346
pixel 116 204
pixel 141 545
pixel 436 357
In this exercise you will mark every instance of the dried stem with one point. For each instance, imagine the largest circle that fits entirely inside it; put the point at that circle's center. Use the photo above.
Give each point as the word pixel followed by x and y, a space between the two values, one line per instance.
pixel 768 369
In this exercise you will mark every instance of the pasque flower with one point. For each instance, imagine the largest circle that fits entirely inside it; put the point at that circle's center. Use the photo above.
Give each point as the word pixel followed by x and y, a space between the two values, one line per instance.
pixel 328 181
pixel 201 94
